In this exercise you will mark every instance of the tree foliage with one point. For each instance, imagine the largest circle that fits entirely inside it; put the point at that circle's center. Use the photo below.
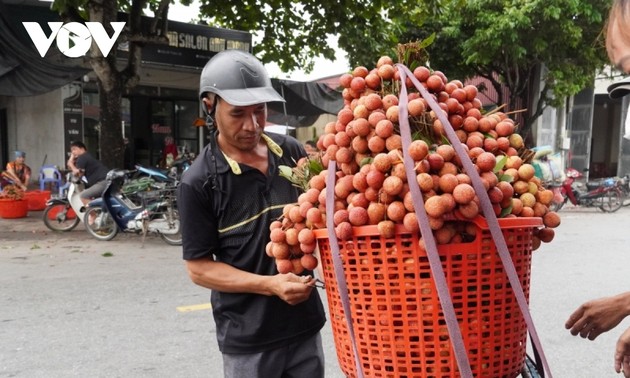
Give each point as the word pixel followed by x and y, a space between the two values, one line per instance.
pixel 293 32
pixel 507 42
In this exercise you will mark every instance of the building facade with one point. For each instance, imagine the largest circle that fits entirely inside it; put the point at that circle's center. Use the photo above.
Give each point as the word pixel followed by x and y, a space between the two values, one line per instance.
pixel 164 103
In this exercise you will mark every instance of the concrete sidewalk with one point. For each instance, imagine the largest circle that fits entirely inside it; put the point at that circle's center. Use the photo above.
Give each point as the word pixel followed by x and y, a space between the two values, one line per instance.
pixel 32 222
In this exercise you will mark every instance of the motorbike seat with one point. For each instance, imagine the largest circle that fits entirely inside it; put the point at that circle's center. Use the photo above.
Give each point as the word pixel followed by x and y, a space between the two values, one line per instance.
pixel 592 185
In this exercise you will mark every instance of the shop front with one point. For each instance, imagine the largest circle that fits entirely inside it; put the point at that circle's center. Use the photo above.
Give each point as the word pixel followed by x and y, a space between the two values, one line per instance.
pixel 164 103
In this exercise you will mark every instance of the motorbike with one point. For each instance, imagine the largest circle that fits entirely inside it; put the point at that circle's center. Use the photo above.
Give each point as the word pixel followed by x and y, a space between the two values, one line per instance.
pixel 155 174
pixel 605 194
pixel 115 211
pixel 65 213
pixel 180 165
pixel 624 184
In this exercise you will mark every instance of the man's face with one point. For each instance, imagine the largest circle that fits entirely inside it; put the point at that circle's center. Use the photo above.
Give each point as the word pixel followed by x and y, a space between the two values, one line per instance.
pixel 620 49
pixel 240 126
pixel 76 151
pixel 309 149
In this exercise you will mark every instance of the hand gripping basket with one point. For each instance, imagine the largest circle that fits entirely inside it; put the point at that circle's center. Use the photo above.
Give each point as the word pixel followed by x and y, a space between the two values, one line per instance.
pixel 396 315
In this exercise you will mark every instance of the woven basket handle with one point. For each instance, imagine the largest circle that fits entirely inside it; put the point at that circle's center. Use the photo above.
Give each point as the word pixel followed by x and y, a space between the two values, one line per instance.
pixel 486 206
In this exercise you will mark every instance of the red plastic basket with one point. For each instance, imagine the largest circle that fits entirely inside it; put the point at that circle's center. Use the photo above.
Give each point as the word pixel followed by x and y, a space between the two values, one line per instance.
pixel 11 209
pixel 396 315
pixel 37 199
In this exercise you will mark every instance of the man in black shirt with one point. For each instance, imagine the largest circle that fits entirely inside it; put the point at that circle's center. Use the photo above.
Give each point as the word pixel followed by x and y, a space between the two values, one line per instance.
pixel 82 163
pixel 267 323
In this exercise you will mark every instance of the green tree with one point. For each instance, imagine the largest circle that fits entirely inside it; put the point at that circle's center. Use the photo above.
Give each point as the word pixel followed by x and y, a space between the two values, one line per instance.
pixel 505 41
pixel 509 42
pixel 112 79
pixel 293 32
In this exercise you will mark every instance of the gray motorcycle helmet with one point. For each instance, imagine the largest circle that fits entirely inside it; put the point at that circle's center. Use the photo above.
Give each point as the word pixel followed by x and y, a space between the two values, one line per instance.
pixel 619 89
pixel 238 78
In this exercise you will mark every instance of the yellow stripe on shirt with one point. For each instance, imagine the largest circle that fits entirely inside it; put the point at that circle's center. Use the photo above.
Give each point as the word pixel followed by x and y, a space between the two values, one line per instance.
pixel 256 216
pixel 273 146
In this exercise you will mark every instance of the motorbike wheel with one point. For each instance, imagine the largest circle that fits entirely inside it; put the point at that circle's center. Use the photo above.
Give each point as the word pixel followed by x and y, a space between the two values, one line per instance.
pixel 612 201
pixel 103 228
pixel 174 239
pixel 60 221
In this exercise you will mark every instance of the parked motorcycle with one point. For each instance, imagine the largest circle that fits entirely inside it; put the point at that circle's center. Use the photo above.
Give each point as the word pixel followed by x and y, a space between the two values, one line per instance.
pixel 64 213
pixel 624 184
pixel 180 165
pixel 115 211
pixel 158 175
pixel 605 194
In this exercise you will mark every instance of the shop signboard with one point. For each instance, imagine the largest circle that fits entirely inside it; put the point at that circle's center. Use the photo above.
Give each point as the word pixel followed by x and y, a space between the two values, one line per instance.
pixel 72 114
pixel 190 45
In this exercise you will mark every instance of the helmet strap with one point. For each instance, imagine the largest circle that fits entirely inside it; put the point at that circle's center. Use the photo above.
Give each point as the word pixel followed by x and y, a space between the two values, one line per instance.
pixel 210 112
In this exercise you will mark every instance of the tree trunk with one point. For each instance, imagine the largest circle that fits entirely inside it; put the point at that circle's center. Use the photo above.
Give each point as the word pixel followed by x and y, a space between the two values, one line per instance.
pixel 112 81
pixel 111 137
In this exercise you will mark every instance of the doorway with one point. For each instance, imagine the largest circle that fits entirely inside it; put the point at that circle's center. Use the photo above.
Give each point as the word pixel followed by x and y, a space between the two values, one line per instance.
pixel 173 118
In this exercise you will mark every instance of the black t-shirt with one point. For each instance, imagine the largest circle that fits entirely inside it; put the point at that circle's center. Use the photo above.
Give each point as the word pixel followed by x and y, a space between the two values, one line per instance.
pixel 93 169
pixel 225 213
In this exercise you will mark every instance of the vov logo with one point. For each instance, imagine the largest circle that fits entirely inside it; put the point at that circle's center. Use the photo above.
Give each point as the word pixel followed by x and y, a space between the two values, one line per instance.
pixel 73 39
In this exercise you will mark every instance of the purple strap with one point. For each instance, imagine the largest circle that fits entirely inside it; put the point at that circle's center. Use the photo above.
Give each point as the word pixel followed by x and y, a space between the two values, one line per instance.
pixel 486 206
pixel 337 263
pixel 433 256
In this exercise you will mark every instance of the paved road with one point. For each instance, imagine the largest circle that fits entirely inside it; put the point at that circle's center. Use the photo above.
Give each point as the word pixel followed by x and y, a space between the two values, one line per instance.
pixel 71 306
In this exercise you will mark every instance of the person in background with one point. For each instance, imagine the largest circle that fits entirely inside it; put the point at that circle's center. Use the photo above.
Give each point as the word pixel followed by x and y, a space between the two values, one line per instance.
pixel 82 163
pixel 267 323
pixel 170 148
pixel 311 148
pixel 17 172
pixel 595 317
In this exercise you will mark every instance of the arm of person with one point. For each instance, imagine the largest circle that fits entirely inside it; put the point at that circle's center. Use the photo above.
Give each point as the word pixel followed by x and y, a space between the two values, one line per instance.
pixel 27 175
pixel 73 167
pixel 597 316
pixel 11 175
pixel 219 276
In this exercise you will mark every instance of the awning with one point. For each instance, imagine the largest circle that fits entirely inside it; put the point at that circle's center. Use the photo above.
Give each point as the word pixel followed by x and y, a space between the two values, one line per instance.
pixel 305 102
pixel 22 71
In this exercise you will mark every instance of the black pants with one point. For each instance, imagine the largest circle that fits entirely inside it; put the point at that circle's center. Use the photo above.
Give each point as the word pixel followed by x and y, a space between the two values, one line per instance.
pixel 299 360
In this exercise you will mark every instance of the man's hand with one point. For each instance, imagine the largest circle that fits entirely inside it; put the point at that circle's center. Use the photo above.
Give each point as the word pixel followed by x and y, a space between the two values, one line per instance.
pixel 75 171
pixel 598 316
pixel 622 354
pixel 291 288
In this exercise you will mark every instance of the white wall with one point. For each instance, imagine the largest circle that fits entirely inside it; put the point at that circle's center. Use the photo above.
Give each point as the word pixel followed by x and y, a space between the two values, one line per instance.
pixel 36 127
